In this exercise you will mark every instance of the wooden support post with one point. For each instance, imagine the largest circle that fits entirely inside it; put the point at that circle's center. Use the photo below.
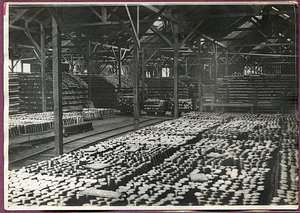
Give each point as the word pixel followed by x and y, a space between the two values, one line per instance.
pixel 216 72
pixel 200 94
pixel 43 69
pixel 22 67
pixel 12 64
pixel 135 35
pixel 159 70
pixel 120 68
pixel 143 75
pixel 176 55
pixel 89 71
pixel 226 64
pixel 136 85
pixel 186 66
pixel 57 88
pixel 210 68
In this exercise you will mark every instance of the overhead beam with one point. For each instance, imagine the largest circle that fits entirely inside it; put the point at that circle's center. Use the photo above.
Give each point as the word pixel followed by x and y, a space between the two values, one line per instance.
pixel 128 53
pixel 109 46
pixel 113 11
pixel 25 46
pixel 98 15
pixel 30 37
pixel 263 44
pixel 214 41
pixel 124 53
pixel 28 59
pixel 157 10
pixel 151 56
pixel 162 36
pixel 136 36
pixel 15 27
pixel 13 65
pixel 37 54
pixel 260 32
pixel 29 19
pixel 263 54
pixel 231 39
pixel 191 33
pixel 244 29
pixel 18 16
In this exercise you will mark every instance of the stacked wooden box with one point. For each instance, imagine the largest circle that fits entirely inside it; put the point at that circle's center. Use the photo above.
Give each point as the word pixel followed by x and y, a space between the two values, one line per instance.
pixel 267 93
pixel 75 94
pixel 164 89
pixel 14 93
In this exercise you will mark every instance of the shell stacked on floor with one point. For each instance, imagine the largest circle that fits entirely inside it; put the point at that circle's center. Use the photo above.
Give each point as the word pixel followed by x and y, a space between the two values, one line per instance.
pixel 39 122
pixel 198 159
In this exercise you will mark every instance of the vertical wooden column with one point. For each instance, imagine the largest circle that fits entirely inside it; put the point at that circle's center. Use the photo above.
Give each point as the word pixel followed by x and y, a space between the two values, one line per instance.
pixel 186 65
pixel 57 88
pixel 89 71
pixel 199 75
pixel 119 68
pixel 143 75
pixel 176 55
pixel 216 71
pixel 135 34
pixel 226 63
pixel 136 85
pixel 22 67
pixel 43 69
pixel 12 62
pixel 226 74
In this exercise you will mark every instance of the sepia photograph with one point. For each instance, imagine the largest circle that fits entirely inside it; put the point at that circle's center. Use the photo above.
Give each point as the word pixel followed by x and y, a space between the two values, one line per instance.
pixel 150 106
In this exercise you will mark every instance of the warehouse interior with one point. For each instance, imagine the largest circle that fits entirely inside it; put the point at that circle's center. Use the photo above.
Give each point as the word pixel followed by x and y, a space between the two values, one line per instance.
pixel 152 105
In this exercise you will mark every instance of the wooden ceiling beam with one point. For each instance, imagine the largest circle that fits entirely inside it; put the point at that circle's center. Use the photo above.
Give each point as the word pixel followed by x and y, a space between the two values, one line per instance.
pixel 163 14
pixel 30 37
pixel 18 16
pixel 29 19
pixel 231 39
pixel 162 36
pixel 134 29
pixel 245 29
pixel 25 46
pixel 102 19
pixel 191 33
pixel 94 24
pixel 263 54
pixel 259 31
pixel 15 27
pixel 266 44
pixel 151 56
pixel 214 41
